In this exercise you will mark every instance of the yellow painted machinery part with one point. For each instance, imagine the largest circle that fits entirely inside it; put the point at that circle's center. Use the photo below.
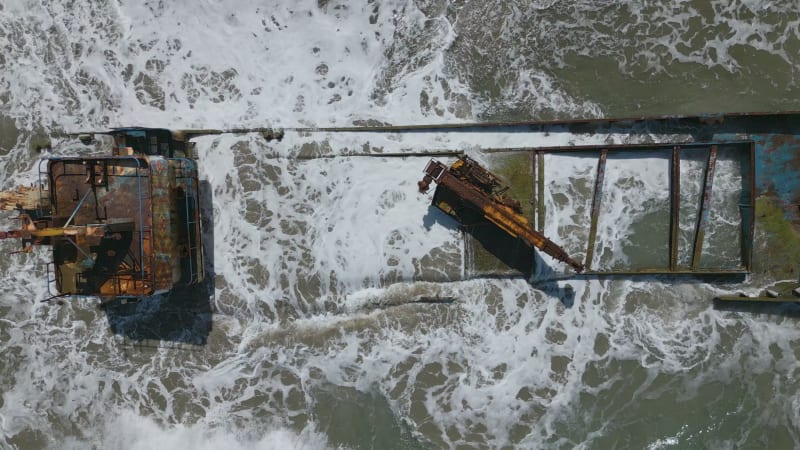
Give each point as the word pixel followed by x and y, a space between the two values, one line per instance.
pixel 513 224
pixel 79 231
pixel 48 232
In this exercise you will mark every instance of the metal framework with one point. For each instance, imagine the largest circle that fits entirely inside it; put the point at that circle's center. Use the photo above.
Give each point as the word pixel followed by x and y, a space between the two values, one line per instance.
pixel 138 274
pixel 704 208
pixel 187 173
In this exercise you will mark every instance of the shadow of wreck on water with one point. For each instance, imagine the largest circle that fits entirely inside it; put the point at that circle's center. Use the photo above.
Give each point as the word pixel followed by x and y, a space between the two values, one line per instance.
pixel 493 253
pixel 185 315
pixel 784 309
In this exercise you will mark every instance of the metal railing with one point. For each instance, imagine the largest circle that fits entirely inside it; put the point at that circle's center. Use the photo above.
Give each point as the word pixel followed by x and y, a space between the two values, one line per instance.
pixel 187 172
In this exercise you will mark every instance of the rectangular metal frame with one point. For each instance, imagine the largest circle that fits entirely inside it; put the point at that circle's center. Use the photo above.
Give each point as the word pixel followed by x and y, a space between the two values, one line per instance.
pixel 747 229
pixel 143 231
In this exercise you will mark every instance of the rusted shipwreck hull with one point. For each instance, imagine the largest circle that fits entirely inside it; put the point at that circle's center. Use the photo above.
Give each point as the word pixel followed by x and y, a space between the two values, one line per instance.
pixel 122 225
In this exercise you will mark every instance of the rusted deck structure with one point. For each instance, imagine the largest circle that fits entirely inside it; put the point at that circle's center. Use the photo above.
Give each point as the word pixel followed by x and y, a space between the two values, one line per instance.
pixel 126 224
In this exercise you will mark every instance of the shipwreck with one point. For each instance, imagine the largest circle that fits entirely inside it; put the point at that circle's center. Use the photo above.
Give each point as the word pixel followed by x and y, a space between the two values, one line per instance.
pixel 761 228
pixel 120 225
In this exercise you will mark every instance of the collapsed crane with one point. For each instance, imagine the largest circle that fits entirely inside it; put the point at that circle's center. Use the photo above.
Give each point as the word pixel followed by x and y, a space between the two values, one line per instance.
pixel 472 187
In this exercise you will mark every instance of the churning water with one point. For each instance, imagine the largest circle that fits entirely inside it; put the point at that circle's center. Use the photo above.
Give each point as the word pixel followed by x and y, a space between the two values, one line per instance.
pixel 310 339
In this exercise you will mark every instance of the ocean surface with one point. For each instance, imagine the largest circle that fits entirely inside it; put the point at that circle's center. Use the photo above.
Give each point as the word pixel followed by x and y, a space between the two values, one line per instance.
pixel 311 336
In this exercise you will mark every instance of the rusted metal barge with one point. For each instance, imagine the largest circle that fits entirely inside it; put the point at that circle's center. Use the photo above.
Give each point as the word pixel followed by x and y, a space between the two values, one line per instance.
pixel 121 225
pixel 127 224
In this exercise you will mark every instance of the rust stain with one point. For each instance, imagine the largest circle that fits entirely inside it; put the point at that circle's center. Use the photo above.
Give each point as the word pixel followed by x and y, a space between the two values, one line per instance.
pixel 23 198
pixel 125 224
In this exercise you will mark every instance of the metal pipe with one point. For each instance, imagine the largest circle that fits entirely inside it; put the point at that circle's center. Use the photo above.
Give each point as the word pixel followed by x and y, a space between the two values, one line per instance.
pixel 540 181
pixel 704 119
pixel 533 202
pixel 643 147
pixel 75 211
pixel 751 231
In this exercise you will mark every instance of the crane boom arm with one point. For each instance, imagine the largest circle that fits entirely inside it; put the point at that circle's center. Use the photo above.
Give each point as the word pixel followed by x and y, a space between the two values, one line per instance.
pixel 476 187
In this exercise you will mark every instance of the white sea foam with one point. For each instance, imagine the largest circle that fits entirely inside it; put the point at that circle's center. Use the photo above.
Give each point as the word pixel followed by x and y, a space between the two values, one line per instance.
pixel 130 431
pixel 248 65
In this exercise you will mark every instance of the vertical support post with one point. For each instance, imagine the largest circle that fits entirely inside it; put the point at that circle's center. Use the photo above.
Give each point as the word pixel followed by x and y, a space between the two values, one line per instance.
pixel 466 255
pixel 675 204
pixel 50 184
pixel 533 189
pixel 540 181
pixel 752 228
pixel 705 207
pixel 596 199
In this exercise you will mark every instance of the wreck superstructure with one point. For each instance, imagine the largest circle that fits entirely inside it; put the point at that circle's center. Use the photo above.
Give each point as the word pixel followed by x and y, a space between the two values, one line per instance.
pixel 125 224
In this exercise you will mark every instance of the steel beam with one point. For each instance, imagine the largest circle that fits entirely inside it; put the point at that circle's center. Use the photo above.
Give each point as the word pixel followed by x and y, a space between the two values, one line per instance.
pixel 596 199
pixel 663 271
pixel 78 207
pixel 540 181
pixel 532 200
pixel 642 147
pixel 748 258
pixel 705 208
pixel 675 200
pixel 759 299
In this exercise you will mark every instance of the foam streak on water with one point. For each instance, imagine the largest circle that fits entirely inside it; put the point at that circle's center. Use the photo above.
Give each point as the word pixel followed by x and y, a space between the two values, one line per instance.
pixel 319 255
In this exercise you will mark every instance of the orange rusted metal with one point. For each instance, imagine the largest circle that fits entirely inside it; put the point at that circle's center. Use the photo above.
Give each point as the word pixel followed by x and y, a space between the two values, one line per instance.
pixel 478 189
pixel 21 198
pixel 124 224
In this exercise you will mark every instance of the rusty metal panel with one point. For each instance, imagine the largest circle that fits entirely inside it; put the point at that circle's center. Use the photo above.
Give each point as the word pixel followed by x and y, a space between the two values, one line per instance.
pixel 777 164
pixel 166 270
pixel 23 197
